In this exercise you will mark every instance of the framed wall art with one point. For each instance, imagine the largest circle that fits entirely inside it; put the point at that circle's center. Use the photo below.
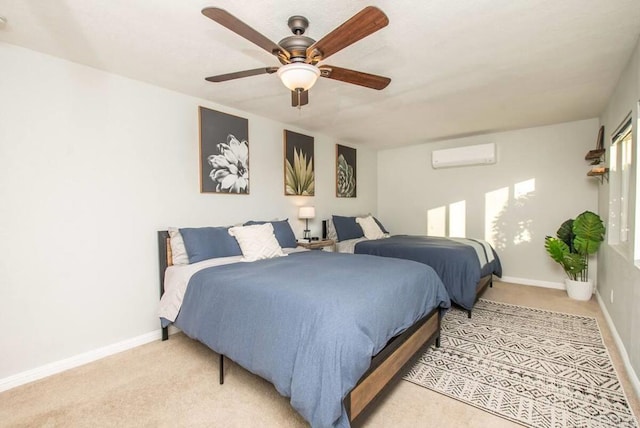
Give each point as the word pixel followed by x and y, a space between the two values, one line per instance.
pixel 224 153
pixel 345 172
pixel 299 175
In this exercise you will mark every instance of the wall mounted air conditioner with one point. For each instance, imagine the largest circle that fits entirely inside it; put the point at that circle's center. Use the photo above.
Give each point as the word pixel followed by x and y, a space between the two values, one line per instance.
pixel 481 154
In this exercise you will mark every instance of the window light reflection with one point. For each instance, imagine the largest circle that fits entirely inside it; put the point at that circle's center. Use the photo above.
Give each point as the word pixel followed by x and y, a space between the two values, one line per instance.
pixel 436 221
pixel 457 219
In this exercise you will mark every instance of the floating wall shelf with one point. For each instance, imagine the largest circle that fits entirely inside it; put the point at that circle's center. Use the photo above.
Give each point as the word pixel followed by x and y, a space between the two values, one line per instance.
pixel 597 158
pixel 601 173
pixel 595 154
pixel 598 171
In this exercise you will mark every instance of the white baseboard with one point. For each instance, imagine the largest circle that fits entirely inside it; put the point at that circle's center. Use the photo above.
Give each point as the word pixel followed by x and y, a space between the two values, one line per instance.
pixel 76 361
pixel 534 282
pixel 623 352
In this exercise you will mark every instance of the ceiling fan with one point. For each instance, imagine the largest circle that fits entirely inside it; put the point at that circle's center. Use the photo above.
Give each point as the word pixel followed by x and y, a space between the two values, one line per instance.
pixel 299 54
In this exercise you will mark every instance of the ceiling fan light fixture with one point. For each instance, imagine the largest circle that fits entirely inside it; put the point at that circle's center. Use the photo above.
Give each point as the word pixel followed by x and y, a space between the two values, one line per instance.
pixel 298 75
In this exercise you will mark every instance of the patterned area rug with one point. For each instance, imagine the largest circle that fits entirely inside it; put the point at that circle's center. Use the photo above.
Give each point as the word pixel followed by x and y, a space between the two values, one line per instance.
pixel 534 367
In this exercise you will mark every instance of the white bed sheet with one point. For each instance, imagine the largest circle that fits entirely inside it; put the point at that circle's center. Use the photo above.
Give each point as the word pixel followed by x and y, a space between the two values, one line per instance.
pixel 349 245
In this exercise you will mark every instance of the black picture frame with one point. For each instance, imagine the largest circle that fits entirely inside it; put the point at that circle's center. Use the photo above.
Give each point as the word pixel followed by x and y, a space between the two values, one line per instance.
pixel 224 153
pixel 346 172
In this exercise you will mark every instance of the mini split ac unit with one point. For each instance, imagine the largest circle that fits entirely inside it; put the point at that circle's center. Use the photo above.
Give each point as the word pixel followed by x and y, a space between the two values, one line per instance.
pixel 481 154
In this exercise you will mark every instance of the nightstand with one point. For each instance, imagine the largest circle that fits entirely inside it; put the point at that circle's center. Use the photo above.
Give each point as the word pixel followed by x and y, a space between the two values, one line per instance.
pixel 317 245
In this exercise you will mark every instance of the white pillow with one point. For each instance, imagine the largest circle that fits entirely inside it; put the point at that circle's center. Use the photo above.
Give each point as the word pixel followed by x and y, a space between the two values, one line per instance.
pixel 257 242
pixel 370 227
pixel 178 250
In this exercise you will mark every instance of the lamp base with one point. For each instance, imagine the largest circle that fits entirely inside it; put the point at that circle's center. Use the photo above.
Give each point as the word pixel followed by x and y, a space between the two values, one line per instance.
pixel 307 232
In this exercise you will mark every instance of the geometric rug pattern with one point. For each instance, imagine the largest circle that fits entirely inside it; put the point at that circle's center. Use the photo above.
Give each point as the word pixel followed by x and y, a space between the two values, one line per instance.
pixel 535 367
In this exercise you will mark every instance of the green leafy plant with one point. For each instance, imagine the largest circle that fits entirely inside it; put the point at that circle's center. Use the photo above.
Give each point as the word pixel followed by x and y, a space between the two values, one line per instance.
pixel 299 177
pixel 575 241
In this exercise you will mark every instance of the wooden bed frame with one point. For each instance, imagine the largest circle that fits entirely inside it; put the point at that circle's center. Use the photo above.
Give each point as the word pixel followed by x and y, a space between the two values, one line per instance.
pixel 386 367
pixel 485 281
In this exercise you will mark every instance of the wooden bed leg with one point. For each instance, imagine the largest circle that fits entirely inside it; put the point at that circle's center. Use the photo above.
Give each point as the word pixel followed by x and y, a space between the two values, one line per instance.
pixel 438 341
pixel 469 313
pixel 491 284
pixel 165 333
pixel 221 369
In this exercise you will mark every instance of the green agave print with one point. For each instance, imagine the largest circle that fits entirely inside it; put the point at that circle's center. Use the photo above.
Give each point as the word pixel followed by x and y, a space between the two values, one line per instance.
pixel 299 178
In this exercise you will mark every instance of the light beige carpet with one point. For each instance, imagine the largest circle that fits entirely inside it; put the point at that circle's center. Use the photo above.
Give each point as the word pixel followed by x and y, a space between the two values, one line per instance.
pixel 175 383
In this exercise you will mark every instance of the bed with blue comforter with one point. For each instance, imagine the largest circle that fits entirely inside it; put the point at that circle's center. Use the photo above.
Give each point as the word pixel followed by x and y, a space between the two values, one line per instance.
pixel 465 265
pixel 310 322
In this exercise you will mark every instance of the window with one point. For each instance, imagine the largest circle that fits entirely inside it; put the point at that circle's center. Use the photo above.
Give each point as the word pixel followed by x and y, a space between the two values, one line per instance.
pixel 636 189
pixel 620 164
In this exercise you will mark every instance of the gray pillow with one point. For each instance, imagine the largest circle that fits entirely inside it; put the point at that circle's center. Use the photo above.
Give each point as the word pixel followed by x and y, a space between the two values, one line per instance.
pixel 380 225
pixel 204 243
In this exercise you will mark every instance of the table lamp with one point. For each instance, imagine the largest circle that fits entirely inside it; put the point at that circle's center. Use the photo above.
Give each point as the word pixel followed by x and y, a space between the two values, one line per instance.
pixel 306 213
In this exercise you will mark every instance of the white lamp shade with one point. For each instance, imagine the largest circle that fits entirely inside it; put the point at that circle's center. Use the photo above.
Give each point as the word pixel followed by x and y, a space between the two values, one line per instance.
pixel 307 212
pixel 298 75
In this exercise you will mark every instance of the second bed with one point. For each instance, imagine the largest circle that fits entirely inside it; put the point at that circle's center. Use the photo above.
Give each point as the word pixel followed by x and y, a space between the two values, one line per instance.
pixel 465 266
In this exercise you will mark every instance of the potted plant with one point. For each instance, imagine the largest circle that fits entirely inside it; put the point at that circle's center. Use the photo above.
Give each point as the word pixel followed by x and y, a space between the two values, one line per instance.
pixel 575 241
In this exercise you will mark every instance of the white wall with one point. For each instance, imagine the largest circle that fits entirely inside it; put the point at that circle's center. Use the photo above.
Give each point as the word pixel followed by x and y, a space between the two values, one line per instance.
pixel 618 273
pixel 93 165
pixel 551 156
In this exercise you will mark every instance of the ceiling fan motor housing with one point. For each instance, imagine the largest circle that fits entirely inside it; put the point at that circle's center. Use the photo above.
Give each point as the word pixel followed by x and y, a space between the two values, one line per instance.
pixel 297 47
pixel 297 44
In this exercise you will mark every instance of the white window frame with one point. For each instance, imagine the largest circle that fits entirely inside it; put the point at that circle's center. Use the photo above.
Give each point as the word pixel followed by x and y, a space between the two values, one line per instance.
pixel 636 218
pixel 621 165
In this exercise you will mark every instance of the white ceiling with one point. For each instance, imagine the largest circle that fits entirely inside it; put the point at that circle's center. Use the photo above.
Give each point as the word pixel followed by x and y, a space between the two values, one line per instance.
pixel 458 67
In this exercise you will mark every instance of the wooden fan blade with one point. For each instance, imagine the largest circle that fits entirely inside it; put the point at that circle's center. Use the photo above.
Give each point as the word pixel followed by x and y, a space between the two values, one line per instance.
pixel 240 74
pixel 356 77
pixel 299 98
pixel 367 21
pixel 229 21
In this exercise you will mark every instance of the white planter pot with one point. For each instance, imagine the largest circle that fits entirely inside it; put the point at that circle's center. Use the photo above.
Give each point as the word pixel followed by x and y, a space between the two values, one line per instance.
pixel 579 290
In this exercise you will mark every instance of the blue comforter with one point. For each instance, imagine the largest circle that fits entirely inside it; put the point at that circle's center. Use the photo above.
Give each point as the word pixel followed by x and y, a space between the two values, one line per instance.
pixel 457 264
pixel 309 322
